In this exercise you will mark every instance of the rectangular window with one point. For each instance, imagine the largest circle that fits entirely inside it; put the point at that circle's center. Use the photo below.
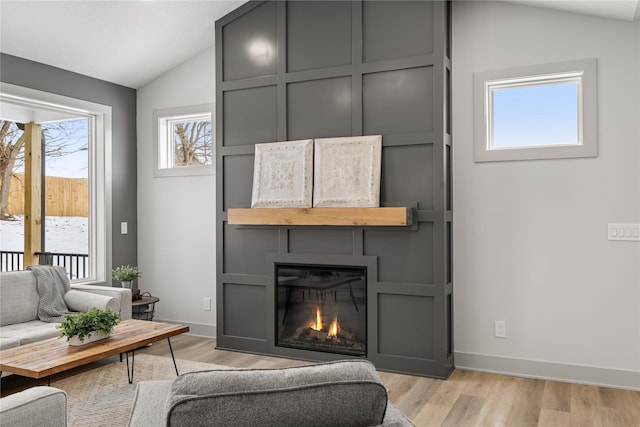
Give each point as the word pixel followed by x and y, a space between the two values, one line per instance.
pixel 538 112
pixel 77 189
pixel 184 143
pixel 66 194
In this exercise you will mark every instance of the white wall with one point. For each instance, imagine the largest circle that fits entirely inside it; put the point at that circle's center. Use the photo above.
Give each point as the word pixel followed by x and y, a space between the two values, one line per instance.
pixel 176 215
pixel 530 242
pixel 530 237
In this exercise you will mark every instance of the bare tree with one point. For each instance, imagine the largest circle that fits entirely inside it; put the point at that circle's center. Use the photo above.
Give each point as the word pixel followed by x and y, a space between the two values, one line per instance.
pixel 193 143
pixel 11 144
pixel 58 137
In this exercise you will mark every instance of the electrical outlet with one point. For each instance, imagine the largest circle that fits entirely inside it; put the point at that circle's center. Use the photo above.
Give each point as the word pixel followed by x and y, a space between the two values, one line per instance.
pixel 206 304
pixel 501 329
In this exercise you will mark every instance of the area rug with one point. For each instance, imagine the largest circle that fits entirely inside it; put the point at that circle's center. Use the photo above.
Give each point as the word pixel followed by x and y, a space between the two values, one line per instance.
pixel 103 396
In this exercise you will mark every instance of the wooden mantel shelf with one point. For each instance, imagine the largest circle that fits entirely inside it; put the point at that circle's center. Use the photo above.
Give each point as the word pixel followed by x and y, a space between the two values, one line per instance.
pixel 387 216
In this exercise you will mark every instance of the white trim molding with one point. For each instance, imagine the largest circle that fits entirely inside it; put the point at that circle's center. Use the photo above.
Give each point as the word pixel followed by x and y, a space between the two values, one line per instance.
pixel 195 329
pixel 554 371
pixel 163 164
pixel 582 73
pixel 40 106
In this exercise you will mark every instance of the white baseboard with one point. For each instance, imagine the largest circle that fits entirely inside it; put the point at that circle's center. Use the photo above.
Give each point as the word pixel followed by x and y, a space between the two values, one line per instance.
pixel 197 329
pixel 578 374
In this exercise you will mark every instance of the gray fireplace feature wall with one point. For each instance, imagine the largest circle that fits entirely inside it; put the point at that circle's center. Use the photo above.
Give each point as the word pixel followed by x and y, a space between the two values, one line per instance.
pixel 292 70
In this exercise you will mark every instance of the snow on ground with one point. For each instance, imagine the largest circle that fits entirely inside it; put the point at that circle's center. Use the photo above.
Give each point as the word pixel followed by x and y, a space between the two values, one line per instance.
pixel 63 234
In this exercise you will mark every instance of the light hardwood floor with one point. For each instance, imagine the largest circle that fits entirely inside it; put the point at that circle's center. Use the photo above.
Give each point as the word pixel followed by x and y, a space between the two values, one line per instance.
pixel 467 398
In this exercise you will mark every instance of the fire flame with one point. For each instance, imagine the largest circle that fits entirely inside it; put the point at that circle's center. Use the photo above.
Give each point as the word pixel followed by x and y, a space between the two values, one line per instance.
pixel 317 326
pixel 333 329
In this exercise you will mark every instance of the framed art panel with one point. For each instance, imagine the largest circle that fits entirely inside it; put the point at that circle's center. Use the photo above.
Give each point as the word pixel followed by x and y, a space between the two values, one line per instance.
pixel 347 171
pixel 282 174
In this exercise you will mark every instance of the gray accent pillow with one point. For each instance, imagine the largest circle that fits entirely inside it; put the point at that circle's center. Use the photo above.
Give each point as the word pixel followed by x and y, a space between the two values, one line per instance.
pixel 84 301
pixel 343 393
pixel 18 297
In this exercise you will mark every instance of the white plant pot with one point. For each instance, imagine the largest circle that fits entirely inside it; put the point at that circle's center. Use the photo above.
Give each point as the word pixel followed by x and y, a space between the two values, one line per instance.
pixel 92 337
pixel 126 284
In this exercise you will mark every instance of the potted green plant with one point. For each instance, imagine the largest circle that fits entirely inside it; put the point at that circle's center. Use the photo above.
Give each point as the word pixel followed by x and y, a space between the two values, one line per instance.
pixel 126 274
pixel 88 326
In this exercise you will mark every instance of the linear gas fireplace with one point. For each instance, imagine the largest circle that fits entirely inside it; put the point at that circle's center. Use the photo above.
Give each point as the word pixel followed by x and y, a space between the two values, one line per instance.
pixel 322 308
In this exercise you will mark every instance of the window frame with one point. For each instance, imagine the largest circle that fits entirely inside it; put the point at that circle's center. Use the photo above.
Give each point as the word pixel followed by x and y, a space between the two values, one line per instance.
pixel 582 71
pixel 163 141
pixel 100 172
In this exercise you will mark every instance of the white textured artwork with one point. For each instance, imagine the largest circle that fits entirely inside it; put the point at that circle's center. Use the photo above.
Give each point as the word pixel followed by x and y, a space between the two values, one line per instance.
pixel 282 174
pixel 347 171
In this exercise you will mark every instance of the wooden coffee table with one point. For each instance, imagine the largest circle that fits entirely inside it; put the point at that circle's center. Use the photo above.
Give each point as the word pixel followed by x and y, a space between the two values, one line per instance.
pixel 44 358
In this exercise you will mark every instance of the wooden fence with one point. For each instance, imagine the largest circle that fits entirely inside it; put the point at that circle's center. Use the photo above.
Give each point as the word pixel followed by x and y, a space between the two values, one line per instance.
pixel 64 196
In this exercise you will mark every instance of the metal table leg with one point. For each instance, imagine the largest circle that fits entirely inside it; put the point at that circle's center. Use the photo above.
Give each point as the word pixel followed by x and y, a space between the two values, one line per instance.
pixel 174 359
pixel 133 361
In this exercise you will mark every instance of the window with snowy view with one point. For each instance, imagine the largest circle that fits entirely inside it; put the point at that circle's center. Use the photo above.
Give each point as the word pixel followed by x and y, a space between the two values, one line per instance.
pixel 72 186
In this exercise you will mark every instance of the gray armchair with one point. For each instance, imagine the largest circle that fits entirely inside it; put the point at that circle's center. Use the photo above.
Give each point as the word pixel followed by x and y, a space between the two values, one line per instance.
pixel 34 407
pixel 344 393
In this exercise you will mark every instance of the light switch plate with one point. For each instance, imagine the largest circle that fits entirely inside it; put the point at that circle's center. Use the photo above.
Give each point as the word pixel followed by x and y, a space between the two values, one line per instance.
pixel 628 232
pixel 501 329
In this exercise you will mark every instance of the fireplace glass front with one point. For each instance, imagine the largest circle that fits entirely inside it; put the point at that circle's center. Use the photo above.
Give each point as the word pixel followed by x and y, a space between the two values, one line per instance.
pixel 322 308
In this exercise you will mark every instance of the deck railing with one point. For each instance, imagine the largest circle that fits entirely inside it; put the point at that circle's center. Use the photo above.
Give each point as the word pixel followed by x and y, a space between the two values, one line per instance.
pixel 77 265
pixel 11 260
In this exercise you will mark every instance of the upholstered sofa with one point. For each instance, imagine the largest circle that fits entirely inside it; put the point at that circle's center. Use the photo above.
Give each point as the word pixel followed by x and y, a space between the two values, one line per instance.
pixel 34 407
pixel 343 393
pixel 19 299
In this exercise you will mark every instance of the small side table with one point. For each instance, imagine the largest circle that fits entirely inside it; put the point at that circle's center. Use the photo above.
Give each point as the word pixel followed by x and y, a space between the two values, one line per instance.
pixel 143 308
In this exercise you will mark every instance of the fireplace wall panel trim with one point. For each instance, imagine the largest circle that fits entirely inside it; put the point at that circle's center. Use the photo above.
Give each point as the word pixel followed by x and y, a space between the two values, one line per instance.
pixel 292 70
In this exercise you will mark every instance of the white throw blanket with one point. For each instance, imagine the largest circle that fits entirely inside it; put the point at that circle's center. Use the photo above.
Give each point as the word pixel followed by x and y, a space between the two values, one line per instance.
pixel 52 283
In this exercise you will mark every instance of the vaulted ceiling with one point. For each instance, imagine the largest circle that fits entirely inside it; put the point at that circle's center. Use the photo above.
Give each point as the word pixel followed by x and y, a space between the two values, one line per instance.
pixel 125 42
pixel 132 42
